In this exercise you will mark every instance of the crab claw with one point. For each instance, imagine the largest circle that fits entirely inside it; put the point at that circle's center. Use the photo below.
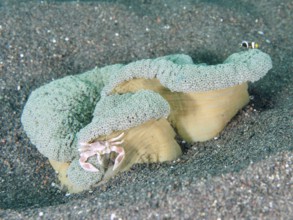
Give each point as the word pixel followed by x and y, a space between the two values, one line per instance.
pixel 120 151
pixel 87 166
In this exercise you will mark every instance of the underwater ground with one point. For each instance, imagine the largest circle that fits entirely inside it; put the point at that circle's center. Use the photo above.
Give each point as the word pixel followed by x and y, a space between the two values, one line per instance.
pixel 247 172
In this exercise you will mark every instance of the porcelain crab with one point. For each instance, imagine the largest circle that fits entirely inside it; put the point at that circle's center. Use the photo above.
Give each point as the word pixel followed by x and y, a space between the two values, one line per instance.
pixel 101 148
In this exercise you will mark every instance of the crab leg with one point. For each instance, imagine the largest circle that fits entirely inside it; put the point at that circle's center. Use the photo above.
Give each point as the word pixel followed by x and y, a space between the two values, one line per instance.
pixel 117 138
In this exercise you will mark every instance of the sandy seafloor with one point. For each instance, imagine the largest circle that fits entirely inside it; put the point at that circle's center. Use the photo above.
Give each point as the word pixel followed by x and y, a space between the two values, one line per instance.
pixel 246 173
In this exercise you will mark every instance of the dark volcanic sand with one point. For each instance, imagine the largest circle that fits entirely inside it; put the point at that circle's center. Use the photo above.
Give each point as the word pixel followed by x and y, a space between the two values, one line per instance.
pixel 246 173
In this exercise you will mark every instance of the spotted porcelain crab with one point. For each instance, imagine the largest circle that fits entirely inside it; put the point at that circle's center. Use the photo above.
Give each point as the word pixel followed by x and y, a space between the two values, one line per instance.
pixel 101 148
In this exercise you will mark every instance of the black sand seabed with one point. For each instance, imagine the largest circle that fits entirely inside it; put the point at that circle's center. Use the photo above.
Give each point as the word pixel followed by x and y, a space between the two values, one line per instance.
pixel 247 173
